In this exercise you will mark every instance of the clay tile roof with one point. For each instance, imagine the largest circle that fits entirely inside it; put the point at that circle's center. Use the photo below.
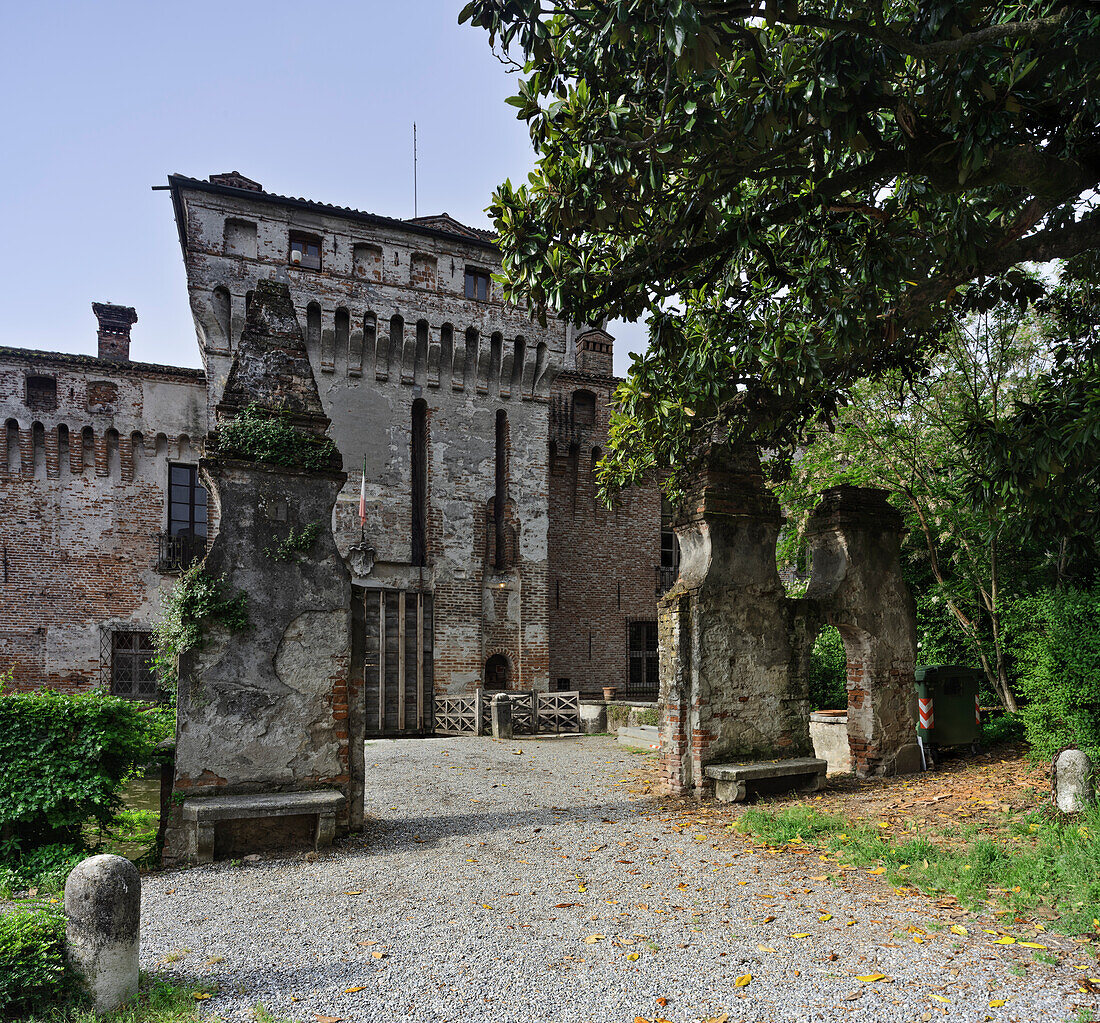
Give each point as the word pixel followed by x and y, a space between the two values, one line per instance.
pixel 442 224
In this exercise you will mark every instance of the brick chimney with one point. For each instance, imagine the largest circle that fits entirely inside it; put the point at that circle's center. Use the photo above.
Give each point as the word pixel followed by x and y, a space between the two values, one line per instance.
pixel 114 330
pixel 235 179
pixel 595 353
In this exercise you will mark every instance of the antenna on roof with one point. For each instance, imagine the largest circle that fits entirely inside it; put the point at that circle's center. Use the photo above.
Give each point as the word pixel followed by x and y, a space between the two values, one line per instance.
pixel 414 169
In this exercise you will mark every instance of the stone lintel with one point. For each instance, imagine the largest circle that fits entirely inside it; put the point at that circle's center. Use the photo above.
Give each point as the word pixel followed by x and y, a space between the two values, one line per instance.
pixel 206 810
pixel 854 506
pixel 215 465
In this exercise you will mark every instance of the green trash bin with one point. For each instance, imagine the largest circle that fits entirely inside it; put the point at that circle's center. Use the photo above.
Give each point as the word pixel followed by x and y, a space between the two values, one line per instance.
pixel 948 711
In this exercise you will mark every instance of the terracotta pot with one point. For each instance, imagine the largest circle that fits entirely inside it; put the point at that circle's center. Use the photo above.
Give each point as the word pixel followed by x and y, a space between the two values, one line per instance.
pixel 608 694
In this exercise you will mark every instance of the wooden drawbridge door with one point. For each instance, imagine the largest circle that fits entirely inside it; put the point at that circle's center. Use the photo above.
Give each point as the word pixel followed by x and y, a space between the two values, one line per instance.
pixel 392 647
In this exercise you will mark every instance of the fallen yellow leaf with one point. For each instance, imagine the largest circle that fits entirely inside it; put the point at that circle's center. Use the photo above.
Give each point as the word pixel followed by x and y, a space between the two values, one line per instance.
pixel 801 934
pixel 825 916
pixel 958 929
pixel 870 978
pixel 201 996
pixel 1005 940
pixel 878 870
pixel 353 893
pixel 634 957
pixel 764 948
pixel 582 888
pixel 378 955
pixel 743 980
pixel 593 938
pixel 940 998
pixel 1031 944
pixel 354 990
pixel 997 1003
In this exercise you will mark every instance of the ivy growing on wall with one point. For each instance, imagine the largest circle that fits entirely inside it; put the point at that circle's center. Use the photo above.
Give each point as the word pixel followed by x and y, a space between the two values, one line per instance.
pixel 298 541
pixel 261 435
pixel 197 601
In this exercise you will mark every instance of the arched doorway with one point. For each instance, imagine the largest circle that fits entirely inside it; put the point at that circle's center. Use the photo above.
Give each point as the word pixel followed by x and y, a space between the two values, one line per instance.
pixel 498 673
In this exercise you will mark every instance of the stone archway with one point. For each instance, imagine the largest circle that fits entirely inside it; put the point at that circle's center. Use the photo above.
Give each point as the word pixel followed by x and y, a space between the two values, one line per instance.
pixel 498 673
pixel 735 650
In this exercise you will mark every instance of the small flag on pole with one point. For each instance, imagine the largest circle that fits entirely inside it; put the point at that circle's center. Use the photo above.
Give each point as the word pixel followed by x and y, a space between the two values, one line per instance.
pixel 363 496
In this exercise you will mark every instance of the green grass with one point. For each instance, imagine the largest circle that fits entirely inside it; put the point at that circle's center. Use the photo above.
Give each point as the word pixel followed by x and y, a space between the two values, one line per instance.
pixel 135 826
pixel 158 1002
pixel 1028 861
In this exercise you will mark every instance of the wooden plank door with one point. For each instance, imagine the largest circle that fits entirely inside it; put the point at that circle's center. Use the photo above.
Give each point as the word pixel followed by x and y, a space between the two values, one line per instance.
pixel 392 647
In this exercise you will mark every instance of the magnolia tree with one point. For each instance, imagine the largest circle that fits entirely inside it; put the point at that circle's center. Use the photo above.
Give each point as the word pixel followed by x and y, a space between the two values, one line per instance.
pixel 794 194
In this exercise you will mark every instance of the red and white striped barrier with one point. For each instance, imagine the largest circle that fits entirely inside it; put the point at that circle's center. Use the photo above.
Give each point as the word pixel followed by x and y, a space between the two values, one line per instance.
pixel 924 707
pixel 977 712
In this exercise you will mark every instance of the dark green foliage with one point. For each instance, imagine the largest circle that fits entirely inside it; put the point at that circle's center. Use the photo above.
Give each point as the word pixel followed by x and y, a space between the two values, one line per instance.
pixel 1001 728
pixel 793 195
pixel 298 541
pixel 64 760
pixel 828 672
pixel 1054 640
pixel 259 435
pixel 196 602
pixel 32 960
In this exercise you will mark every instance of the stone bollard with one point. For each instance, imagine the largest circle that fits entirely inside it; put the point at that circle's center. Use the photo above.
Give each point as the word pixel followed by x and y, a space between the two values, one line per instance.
pixel 501 713
pixel 103 910
pixel 1074 788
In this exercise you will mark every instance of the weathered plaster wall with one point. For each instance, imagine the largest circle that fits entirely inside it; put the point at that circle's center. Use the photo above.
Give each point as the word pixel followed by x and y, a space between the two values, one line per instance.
pixel 79 528
pixel 369 375
pixel 267 708
pixel 733 647
pixel 855 539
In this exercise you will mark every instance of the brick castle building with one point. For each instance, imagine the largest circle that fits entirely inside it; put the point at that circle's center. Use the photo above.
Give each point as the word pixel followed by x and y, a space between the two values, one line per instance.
pixel 485 558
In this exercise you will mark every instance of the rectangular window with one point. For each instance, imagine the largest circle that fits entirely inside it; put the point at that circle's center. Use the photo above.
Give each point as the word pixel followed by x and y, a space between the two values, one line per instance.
pixel 643 677
pixel 305 250
pixel 132 675
pixel 186 501
pixel 670 549
pixel 41 392
pixel 477 284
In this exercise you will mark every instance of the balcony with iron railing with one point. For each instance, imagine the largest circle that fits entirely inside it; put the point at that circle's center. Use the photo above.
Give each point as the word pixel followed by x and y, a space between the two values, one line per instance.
pixel 666 576
pixel 178 553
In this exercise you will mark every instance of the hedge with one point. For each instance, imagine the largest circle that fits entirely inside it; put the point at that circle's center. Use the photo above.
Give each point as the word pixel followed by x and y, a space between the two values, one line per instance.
pixel 64 760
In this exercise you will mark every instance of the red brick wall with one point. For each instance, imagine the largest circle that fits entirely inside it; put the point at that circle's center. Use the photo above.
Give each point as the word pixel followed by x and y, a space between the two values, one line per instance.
pixel 78 541
pixel 602 561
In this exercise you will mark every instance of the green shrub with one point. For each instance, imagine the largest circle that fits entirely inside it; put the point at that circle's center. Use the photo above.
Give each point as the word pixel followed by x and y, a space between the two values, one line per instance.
pixel 260 435
pixel 64 760
pixel 1053 638
pixel 197 601
pixel 828 672
pixel 32 960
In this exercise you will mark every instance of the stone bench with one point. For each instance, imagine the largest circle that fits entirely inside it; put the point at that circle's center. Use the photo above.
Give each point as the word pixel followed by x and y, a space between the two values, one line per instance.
pixel 202 814
pixel 732 781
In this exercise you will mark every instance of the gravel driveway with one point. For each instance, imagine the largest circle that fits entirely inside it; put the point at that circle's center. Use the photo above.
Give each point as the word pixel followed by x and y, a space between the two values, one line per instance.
pixel 522 882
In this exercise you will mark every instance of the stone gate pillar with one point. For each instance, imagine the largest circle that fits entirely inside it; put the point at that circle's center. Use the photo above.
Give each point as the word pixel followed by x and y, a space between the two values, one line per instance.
pixel 856 582
pixel 732 684
pixel 268 720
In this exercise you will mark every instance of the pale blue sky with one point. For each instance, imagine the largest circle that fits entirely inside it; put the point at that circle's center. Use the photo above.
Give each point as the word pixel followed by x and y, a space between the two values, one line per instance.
pixel 101 100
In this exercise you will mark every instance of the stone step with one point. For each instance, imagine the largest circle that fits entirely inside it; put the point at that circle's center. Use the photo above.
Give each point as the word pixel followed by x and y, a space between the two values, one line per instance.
pixel 732 781
pixel 640 737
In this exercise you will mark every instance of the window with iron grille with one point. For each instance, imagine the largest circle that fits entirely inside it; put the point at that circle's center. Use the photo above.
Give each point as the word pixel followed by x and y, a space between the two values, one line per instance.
pixel 132 674
pixel 643 678
pixel 186 501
